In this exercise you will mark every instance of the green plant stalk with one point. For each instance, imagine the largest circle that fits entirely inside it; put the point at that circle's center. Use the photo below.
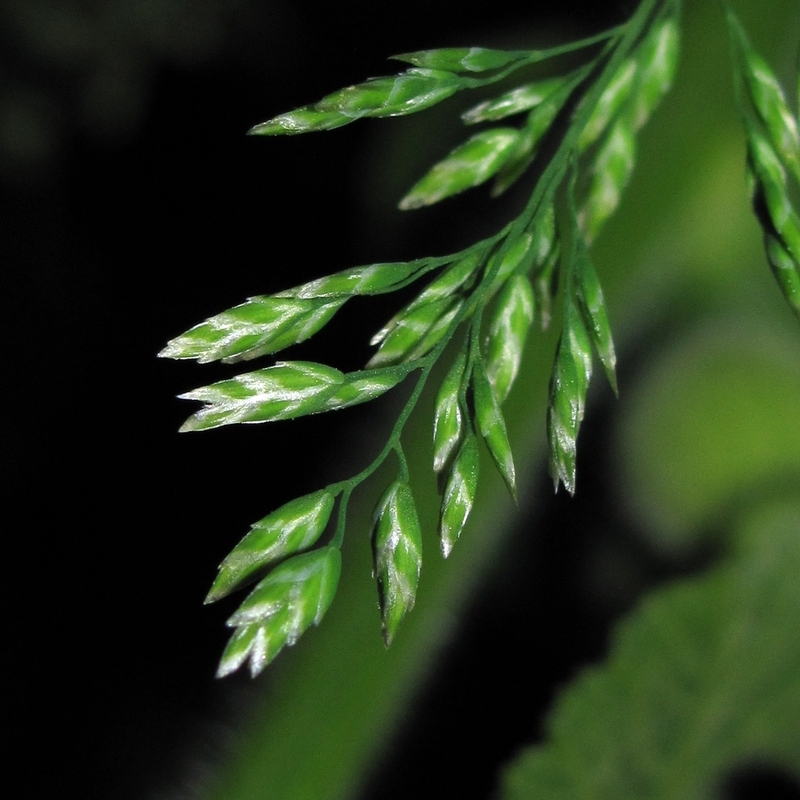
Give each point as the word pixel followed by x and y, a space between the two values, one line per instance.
pixel 338 695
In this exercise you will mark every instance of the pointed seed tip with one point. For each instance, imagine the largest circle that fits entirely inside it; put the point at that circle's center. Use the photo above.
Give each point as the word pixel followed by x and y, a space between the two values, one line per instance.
pixel 256 668
pixel 412 201
pixel 214 594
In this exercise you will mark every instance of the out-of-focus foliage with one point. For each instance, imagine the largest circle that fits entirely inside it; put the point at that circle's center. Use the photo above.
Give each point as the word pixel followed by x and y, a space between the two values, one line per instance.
pixel 703 676
pixel 720 408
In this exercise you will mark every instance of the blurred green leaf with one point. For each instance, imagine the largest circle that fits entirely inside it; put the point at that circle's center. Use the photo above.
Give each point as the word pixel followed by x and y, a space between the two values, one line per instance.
pixel 713 418
pixel 704 676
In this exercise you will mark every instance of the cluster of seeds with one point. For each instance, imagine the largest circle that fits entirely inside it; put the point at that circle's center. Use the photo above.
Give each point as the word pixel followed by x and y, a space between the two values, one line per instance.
pixel 489 294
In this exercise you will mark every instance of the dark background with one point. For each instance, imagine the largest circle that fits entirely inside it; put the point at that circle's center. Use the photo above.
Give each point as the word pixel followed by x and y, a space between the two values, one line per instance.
pixel 133 206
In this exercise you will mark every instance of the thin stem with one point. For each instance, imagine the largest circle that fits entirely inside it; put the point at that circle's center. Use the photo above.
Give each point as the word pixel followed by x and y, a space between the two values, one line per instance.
pixel 403 464
pixel 393 444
